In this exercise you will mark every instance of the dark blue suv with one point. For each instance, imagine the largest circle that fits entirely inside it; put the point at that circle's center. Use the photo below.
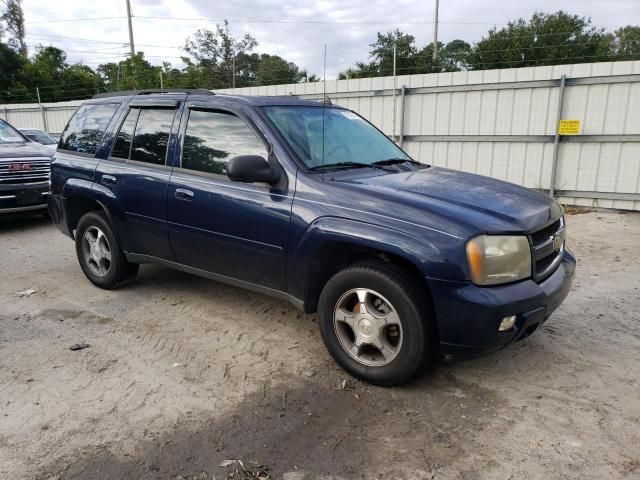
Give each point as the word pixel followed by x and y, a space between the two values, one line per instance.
pixel 309 202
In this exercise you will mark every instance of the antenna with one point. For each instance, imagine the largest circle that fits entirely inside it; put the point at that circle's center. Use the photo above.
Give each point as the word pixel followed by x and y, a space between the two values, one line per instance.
pixel 324 75
pixel 324 101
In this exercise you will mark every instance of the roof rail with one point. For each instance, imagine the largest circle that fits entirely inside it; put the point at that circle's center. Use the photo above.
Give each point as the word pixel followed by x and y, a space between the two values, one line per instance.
pixel 150 91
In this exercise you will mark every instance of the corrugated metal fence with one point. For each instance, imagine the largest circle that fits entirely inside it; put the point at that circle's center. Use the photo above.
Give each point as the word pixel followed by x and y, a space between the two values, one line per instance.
pixel 500 123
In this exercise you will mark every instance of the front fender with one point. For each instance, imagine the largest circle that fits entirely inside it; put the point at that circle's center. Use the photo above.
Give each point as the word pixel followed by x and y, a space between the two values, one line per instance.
pixel 432 260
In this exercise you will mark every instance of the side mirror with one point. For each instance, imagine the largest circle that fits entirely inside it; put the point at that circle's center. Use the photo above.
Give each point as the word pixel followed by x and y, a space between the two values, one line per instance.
pixel 251 168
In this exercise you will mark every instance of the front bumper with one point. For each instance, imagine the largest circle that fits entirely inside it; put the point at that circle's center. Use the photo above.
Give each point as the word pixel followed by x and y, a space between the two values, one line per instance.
pixel 469 316
pixel 23 197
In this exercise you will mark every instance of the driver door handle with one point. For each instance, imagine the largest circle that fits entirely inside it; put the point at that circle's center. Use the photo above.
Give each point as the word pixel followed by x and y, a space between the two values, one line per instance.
pixel 108 180
pixel 184 194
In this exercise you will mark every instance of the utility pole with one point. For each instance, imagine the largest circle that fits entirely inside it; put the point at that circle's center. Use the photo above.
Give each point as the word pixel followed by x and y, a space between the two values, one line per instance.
pixel 132 48
pixel 161 83
pixel 435 34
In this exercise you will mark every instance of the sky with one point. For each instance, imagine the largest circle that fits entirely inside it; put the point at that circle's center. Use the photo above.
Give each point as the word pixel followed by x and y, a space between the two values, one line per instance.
pixel 95 32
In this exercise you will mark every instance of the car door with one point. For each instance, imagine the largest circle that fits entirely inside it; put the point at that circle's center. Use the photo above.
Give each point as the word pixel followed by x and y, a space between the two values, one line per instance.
pixel 137 174
pixel 236 230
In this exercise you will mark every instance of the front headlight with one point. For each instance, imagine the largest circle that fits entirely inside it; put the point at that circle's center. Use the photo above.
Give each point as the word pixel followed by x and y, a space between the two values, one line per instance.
pixel 495 259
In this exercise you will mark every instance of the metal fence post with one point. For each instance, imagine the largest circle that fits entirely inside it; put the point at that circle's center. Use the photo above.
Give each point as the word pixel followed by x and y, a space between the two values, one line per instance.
pixel 42 112
pixel 402 93
pixel 556 138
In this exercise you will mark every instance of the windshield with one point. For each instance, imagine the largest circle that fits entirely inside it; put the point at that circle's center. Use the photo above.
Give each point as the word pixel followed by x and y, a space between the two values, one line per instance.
pixel 348 138
pixel 39 136
pixel 8 134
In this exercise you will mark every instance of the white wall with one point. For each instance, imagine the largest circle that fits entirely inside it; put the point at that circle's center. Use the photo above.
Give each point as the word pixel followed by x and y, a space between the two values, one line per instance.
pixel 459 120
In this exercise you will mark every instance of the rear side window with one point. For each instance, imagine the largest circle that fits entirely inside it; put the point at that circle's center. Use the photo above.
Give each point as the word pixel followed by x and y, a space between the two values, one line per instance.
pixel 86 128
pixel 214 137
pixel 144 135
pixel 152 135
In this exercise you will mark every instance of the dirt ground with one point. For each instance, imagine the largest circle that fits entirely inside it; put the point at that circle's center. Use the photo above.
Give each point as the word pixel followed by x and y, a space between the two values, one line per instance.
pixel 183 373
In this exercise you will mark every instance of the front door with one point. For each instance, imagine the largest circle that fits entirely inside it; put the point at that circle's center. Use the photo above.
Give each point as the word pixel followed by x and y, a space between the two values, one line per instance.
pixel 233 229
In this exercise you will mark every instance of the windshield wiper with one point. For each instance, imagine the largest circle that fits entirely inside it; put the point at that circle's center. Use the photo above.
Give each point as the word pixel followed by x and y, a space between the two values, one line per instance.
pixel 345 165
pixel 395 161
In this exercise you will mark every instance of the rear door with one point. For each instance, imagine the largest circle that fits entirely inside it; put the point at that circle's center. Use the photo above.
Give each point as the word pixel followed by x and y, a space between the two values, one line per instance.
pixel 137 174
pixel 233 229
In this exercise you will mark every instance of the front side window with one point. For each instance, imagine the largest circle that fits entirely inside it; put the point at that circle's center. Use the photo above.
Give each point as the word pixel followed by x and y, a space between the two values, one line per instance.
pixel 323 136
pixel 86 128
pixel 214 137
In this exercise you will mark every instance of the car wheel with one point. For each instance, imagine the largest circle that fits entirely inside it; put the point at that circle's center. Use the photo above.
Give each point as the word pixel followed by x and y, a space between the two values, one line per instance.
pixel 99 253
pixel 375 323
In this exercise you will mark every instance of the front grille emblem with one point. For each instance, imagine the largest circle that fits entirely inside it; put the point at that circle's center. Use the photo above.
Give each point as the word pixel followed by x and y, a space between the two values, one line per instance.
pixel 557 242
pixel 20 167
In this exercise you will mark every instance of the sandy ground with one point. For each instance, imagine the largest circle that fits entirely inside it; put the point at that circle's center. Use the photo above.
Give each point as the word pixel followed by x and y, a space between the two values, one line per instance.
pixel 184 373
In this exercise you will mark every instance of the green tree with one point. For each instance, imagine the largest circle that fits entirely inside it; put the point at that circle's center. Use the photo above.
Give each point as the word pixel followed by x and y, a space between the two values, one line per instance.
pixel 273 70
pixel 56 79
pixel 217 54
pixel 545 39
pixel 625 43
pixel 453 56
pixel 409 59
pixel 381 57
pixel 216 59
pixel 11 65
pixel 13 18
pixel 132 73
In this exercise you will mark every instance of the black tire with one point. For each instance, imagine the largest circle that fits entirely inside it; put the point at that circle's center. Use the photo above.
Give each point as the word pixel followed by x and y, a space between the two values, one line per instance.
pixel 119 271
pixel 412 306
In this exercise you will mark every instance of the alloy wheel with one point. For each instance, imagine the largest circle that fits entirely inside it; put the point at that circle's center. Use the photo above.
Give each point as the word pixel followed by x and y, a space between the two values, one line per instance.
pixel 368 327
pixel 96 251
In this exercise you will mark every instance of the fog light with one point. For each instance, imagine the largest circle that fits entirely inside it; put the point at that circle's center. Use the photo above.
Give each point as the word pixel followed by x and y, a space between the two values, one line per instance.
pixel 507 323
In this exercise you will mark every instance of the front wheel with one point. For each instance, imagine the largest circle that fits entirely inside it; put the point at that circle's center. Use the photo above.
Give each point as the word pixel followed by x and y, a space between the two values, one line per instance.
pixel 99 254
pixel 375 323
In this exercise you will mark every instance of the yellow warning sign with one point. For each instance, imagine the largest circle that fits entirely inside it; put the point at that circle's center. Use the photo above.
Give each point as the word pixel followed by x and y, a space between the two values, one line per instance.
pixel 569 127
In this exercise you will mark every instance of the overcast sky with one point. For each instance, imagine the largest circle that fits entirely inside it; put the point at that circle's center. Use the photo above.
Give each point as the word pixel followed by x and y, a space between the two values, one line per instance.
pixel 346 27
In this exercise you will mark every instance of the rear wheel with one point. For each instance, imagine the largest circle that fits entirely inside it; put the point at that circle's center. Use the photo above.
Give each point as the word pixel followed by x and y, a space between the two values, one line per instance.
pixel 375 323
pixel 99 254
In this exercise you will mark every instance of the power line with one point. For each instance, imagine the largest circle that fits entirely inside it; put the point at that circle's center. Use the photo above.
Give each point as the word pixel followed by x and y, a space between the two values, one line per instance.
pixel 280 21
pixel 87 19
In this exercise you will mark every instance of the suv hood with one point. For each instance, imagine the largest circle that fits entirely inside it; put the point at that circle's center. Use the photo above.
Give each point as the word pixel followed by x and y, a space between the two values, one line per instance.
pixel 23 150
pixel 486 204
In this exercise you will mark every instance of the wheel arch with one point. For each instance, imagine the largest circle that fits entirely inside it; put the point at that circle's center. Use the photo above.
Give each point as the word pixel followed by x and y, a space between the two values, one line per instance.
pixel 331 244
pixel 81 197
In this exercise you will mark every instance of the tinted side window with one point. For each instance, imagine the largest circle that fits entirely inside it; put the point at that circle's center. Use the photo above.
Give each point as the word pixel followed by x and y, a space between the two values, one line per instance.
pixel 212 138
pixel 86 128
pixel 122 145
pixel 152 135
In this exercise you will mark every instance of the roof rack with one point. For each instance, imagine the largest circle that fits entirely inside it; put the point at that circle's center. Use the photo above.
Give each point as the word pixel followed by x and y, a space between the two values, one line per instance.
pixel 151 91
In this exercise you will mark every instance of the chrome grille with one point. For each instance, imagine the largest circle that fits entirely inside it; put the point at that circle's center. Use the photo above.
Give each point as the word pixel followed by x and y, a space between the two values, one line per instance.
pixel 24 170
pixel 547 247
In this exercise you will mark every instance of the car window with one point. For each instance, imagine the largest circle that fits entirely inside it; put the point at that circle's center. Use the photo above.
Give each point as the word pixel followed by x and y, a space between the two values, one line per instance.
pixel 122 145
pixel 152 135
pixel 84 131
pixel 8 134
pixel 212 138
pixel 40 137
